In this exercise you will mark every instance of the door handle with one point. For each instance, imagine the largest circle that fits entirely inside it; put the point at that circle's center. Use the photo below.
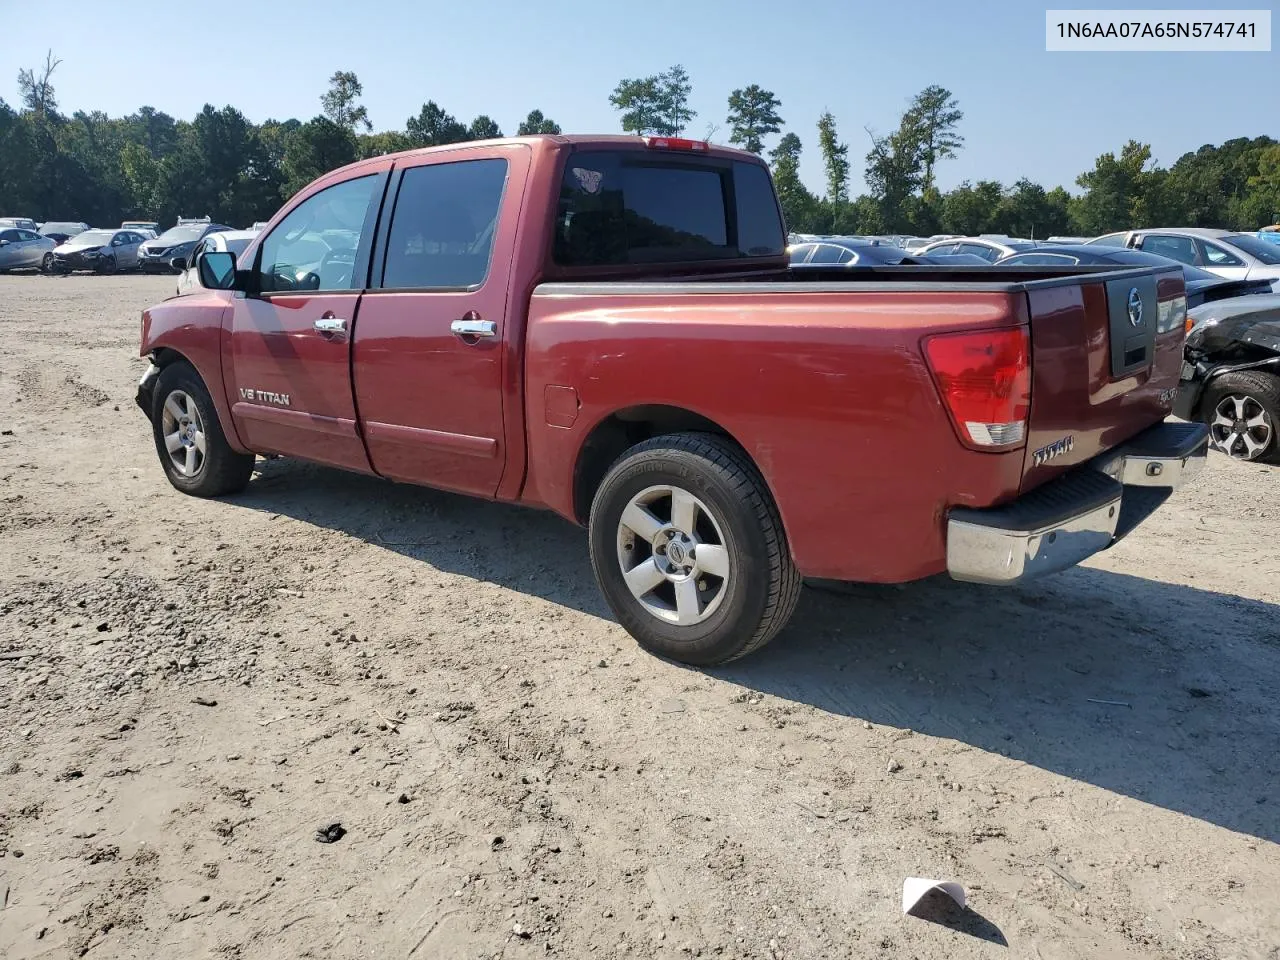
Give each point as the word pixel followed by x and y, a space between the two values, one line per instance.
pixel 472 326
pixel 331 325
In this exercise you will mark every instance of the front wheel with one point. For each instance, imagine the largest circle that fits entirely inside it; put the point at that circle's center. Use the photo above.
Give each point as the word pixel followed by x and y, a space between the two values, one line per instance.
pixel 689 551
pixel 1242 410
pixel 193 450
pixel 46 263
pixel 107 265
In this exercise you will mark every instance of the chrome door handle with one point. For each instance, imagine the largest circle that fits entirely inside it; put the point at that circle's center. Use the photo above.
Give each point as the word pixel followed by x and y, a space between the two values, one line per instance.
pixel 471 326
pixel 330 325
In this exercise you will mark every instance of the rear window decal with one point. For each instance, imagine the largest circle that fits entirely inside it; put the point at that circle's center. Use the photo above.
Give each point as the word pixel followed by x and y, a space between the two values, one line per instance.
pixel 589 180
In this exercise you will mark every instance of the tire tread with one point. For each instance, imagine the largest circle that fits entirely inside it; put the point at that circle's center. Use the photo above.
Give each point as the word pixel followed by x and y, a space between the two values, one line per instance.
pixel 1262 386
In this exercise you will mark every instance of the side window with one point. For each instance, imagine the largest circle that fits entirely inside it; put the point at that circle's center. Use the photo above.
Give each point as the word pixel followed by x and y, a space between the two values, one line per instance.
pixel 443 226
pixel 979 250
pixel 28 235
pixel 1215 256
pixel 827 253
pixel 1040 260
pixel 314 247
pixel 1182 249
pixel 10 235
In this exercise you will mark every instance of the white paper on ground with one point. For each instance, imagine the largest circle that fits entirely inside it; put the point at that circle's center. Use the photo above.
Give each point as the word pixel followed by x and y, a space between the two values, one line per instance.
pixel 913 888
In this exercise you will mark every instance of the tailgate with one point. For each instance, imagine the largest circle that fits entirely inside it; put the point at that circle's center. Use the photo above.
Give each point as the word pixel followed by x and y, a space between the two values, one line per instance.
pixel 1106 353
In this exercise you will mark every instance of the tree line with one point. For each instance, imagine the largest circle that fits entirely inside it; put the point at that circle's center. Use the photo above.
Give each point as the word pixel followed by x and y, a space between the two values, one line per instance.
pixel 148 165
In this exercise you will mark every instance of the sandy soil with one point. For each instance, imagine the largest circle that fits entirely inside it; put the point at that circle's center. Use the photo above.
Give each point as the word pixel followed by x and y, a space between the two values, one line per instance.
pixel 210 682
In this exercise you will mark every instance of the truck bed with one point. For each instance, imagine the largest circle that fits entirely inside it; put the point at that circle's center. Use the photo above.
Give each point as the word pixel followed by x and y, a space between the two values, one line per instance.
pixel 860 411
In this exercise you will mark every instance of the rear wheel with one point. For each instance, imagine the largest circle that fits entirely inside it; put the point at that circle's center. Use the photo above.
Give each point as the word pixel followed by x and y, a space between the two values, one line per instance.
pixel 193 450
pixel 1242 410
pixel 689 550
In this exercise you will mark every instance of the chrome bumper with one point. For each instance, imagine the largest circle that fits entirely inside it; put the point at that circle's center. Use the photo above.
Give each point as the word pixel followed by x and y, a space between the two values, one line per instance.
pixel 1078 514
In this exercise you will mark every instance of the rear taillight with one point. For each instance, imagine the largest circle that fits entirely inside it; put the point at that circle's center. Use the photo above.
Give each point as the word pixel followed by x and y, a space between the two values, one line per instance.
pixel 1172 314
pixel 985 381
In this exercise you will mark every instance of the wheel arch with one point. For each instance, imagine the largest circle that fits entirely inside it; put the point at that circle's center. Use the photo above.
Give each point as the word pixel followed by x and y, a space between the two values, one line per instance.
pixel 622 429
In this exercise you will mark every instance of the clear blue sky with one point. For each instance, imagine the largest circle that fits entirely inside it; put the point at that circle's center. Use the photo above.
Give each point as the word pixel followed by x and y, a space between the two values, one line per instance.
pixel 1027 112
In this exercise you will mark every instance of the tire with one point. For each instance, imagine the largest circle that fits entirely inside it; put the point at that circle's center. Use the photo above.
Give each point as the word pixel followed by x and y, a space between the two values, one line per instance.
pixel 107 265
pixel 1242 410
pixel 183 418
pixel 727 615
pixel 46 263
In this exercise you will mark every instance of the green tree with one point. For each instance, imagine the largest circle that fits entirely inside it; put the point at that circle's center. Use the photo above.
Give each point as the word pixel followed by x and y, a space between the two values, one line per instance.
pixel 536 123
pixel 341 103
pixel 1026 211
pixel 1117 191
pixel 315 148
pixel 932 119
pixel 432 127
pixel 971 209
pixel 655 105
pixel 835 160
pixel 753 115
pixel 798 204
pixel 483 127
pixel 35 86
pixel 380 144
pixel 894 172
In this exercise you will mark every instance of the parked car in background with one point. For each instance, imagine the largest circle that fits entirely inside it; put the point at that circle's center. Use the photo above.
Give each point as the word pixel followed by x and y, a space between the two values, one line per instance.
pixel 1231 376
pixel 177 243
pixel 60 231
pixel 1202 286
pixel 1237 256
pixel 142 226
pixel 22 223
pixel 23 249
pixel 232 241
pixel 258 225
pixel 863 252
pixel 189 221
pixel 1071 240
pixel 989 248
pixel 844 252
pixel 1270 235
pixel 103 251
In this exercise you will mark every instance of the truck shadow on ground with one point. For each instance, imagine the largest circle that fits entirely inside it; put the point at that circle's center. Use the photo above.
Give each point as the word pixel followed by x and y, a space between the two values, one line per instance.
pixel 1191 676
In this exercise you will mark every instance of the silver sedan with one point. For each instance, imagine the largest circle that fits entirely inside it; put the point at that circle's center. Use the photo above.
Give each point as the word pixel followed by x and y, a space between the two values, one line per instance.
pixel 24 249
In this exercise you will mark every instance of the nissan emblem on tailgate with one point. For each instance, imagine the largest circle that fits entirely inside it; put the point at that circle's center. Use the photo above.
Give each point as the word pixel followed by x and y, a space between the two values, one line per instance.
pixel 1135 307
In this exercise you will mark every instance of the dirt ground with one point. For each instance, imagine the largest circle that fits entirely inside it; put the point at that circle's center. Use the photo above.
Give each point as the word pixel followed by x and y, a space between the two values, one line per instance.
pixel 1093 757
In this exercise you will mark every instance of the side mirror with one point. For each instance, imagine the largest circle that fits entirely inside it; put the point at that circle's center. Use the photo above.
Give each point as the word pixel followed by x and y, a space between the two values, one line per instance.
pixel 217 270
pixel 179 263
pixel 117 242
pixel 4 243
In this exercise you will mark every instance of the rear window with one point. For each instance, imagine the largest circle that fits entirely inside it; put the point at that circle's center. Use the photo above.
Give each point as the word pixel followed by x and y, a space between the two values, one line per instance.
pixel 627 207
pixel 1268 253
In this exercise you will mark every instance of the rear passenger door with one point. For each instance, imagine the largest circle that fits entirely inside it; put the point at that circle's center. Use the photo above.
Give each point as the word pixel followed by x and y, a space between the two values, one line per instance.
pixel 431 341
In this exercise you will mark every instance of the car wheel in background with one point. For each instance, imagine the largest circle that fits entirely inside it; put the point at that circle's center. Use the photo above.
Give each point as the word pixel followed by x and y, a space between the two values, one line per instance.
pixel 689 551
pixel 46 263
pixel 106 264
pixel 1242 410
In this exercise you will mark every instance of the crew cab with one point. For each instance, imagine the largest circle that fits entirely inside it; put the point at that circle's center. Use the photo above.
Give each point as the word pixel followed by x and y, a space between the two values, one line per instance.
pixel 607 327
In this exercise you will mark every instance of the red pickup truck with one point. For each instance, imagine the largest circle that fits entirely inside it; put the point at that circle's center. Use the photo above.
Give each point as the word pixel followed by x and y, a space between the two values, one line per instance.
pixel 607 327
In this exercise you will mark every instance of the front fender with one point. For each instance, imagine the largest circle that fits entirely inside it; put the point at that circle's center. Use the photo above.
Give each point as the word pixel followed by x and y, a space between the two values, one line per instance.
pixel 190 328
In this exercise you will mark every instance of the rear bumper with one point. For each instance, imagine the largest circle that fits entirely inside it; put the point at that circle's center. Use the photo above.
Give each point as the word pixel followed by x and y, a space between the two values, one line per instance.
pixel 1078 514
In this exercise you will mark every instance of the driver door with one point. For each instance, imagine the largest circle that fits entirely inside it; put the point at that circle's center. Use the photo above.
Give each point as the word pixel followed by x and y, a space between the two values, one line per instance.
pixel 289 385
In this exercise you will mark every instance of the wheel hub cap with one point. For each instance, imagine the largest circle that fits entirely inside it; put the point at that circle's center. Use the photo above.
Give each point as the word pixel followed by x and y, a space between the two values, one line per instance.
pixel 672 554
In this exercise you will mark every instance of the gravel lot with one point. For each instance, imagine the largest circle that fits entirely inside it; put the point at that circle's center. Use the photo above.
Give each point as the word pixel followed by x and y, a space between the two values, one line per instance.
pixel 209 682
